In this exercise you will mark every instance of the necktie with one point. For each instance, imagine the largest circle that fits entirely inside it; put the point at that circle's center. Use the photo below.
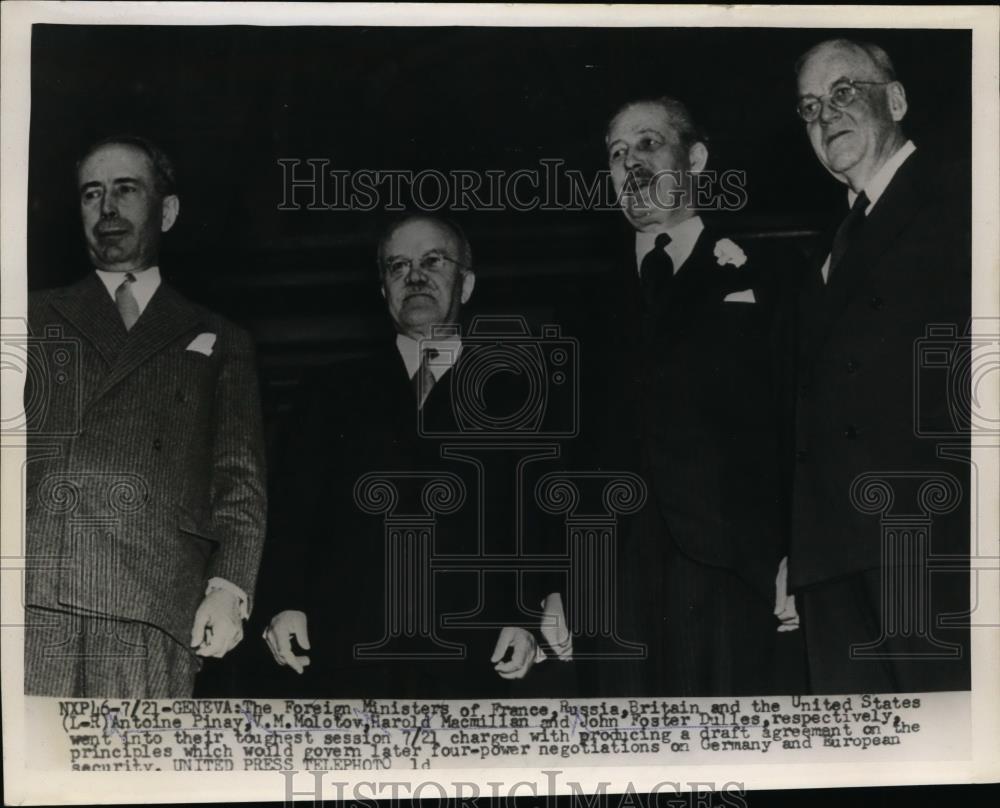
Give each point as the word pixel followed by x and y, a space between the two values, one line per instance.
pixel 423 379
pixel 128 306
pixel 656 271
pixel 847 231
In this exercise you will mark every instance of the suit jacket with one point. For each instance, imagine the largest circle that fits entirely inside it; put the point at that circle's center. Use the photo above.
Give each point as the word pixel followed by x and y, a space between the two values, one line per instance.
pixel 862 394
pixel 327 554
pixel 145 472
pixel 694 405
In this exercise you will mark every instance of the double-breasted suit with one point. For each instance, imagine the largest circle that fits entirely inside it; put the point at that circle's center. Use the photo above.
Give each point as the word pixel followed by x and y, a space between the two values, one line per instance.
pixel 145 472
pixel 328 554
pixel 691 402
pixel 873 407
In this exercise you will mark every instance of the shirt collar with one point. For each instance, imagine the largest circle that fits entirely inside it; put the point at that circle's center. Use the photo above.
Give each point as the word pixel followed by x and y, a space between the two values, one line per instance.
pixel 448 348
pixel 683 237
pixel 877 184
pixel 147 281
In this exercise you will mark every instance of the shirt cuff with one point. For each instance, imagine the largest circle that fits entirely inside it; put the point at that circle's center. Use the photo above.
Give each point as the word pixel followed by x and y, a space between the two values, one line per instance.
pixel 221 583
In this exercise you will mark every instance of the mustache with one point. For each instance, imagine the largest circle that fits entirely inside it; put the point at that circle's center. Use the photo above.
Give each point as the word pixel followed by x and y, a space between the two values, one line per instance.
pixel 637 180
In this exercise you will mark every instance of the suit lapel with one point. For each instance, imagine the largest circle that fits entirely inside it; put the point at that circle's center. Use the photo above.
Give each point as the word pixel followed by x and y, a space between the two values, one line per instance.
pixel 167 316
pixel 697 282
pixel 88 306
pixel 692 271
pixel 895 208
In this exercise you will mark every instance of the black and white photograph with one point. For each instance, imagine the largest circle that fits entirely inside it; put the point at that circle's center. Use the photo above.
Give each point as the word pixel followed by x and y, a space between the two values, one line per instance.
pixel 456 389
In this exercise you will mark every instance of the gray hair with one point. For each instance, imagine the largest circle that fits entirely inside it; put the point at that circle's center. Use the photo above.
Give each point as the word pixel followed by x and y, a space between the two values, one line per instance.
pixel 450 226
pixel 687 128
pixel 164 175
pixel 876 55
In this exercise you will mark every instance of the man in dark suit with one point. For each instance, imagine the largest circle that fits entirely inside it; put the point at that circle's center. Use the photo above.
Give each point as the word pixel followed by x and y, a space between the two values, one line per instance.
pixel 685 350
pixel 897 263
pixel 145 480
pixel 363 434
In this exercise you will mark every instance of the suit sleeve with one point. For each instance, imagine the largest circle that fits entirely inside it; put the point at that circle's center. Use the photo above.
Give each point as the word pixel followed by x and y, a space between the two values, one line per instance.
pixel 298 494
pixel 238 497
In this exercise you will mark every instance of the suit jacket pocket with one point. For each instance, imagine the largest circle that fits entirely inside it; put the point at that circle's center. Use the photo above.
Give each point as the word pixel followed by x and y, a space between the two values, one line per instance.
pixel 194 528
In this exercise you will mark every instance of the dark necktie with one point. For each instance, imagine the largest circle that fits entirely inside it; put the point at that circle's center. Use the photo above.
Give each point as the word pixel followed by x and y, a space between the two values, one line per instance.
pixel 128 306
pixel 847 232
pixel 423 379
pixel 656 271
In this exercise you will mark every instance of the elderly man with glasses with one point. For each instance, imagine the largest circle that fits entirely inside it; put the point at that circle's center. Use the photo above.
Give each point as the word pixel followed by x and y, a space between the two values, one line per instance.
pixel 867 422
pixel 359 598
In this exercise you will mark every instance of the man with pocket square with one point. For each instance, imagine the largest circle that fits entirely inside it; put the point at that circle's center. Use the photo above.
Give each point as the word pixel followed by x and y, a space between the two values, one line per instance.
pixel 145 477
pixel 685 362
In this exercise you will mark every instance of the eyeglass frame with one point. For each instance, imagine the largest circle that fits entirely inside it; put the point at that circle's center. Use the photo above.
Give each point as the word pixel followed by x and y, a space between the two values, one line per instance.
pixel 421 264
pixel 853 84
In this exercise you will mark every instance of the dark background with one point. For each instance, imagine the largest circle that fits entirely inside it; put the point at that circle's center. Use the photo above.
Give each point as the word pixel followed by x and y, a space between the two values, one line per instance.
pixel 228 102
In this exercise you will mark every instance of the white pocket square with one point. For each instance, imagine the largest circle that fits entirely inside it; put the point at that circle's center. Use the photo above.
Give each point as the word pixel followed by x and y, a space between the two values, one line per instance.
pixel 203 344
pixel 743 296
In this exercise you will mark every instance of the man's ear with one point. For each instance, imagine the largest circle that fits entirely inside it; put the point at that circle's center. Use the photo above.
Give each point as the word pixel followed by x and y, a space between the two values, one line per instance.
pixel 896 95
pixel 697 157
pixel 468 284
pixel 171 207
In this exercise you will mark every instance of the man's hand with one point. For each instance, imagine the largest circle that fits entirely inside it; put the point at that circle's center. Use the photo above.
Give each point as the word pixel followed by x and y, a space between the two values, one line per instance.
pixel 278 636
pixel 217 628
pixel 784 604
pixel 554 629
pixel 523 656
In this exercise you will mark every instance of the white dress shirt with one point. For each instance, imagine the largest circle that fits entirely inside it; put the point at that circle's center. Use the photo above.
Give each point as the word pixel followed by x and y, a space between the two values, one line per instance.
pixel 683 237
pixel 876 187
pixel 147 281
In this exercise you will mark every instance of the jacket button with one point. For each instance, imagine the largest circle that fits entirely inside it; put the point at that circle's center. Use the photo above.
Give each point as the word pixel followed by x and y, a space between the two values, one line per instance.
pixel 157 444
pixel 181 398
pixel 850 432
pixel 802 455
pixel 877 303
pixel 852 366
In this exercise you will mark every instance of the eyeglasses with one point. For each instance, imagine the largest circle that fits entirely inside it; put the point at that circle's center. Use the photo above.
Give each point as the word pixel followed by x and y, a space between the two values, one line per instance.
pixel 429 264
pixel 841 96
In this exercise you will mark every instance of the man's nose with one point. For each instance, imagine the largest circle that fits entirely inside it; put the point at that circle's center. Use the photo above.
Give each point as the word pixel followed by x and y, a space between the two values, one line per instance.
pixel 415 274
pixel 827 111
pixel 631 160
pixel 109 206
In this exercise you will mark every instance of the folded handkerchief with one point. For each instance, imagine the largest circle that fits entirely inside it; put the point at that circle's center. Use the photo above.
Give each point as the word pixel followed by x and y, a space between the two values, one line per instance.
pixel 743 296
pixel 203 344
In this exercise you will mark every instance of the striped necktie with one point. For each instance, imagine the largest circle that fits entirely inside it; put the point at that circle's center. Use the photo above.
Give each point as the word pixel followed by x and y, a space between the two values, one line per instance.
pixel 423 379
pixel 128 306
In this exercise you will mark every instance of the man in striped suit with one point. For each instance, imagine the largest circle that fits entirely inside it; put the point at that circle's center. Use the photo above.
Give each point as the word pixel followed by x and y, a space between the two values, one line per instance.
pixel 145 478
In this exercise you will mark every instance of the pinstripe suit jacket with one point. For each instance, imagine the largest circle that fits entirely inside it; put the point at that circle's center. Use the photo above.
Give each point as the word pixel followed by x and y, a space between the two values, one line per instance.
pixel 145 472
